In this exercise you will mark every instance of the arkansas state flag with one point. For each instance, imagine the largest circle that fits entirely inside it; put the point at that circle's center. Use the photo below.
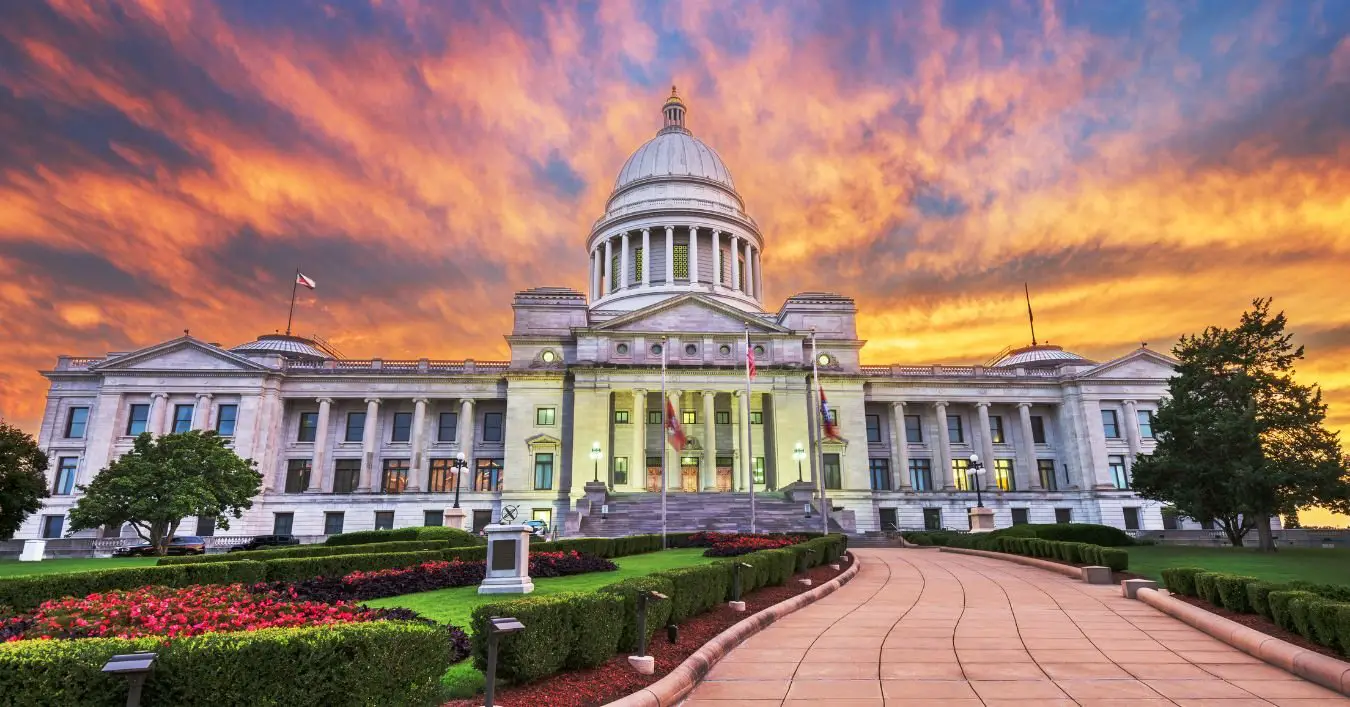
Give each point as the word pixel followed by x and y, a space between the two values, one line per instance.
pixel 673 428
pixel 831 432
pixel 300 279
pixel 749 359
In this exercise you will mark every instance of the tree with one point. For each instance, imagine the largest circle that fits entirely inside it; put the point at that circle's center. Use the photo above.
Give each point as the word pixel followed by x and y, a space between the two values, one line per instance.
pixel 165 479
pixel 1239 441
pixel 23 479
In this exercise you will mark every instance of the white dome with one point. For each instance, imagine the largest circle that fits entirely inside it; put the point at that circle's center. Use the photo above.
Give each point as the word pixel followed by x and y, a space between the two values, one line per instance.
pixel 674 153
pixel 1039 356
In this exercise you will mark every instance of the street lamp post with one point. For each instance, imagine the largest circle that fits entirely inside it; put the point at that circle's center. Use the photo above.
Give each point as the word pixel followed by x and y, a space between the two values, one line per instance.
pixel 799 453
pixel 460 465
pixel 595 457
pixel 976 469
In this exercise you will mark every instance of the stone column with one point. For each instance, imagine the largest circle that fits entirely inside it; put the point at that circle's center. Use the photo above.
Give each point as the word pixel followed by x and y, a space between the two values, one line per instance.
pixel 1091 412
pixel 637 464
pixel 201 412
pixel 944 460
pixel 986 445
pixel 369 443
pixel 595 275
pixel 624 279
pixel 646 257
pixel 709 480
pixel 717 258
pixel 609 266
pixel 465 435
pixel 319 478
pixel 735 263
pixel 745 469
pixel 900 452
pixel 159 403
pixel 759 276
pixel 693 255
pixel 1027 459
pixel 670 255
pixel 418 439
pixel 1131 424
pixel 749 269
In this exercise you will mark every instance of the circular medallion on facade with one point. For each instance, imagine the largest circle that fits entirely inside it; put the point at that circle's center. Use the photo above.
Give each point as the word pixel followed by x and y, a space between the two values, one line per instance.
pixel 824 359
pixel 622 349
pixel 724 350
pixel 656 349
pixel 759 350
pixel 690 350
pixel 548 357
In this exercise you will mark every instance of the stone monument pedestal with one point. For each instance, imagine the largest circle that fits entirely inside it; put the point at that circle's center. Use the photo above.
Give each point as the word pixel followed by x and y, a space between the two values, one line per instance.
pixel 800 492
pixel 981 520
pixel 508 560
pixel 33 550
pixel 454 518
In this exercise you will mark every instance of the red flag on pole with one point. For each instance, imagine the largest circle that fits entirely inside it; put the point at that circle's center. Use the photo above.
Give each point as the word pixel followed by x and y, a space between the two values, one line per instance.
pixel 673 428
pixel 831 432
pixel 749 356
pixel 300 279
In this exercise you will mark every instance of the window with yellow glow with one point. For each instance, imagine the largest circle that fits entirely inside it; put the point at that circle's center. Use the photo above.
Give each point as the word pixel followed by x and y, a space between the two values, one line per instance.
pixel 1003 475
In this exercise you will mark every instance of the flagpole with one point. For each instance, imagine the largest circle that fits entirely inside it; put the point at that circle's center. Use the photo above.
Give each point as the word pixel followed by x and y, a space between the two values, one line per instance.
pixel 820 448
pixel 665 433
pixel 749 432
pixel 294 282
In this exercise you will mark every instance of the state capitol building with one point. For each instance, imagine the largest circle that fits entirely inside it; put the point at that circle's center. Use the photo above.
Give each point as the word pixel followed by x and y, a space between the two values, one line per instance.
pixel 569 430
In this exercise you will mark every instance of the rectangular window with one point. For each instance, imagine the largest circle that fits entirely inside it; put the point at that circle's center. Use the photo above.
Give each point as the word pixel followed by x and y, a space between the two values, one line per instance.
pixel 356 426
pixel 206 526
pixel 544 417
pixel 1037 429
pixel 309 427
pixel 384 520
pixel 447 426
pixel 932 519
pixel 346 475
pixel 1019 516
pixel 1046 469
pixel 282 523
pixel 655 462
pixel 689 417
pixel 332 522
pixel 874 429
pixel 1063 515
pixel 1145 424
pixel 620 417
pixel 654 417
pixel 961 474
pixel 955 432
pixel 913 429
pixel 52 526
pixel 76 420
pixel 433 519
pixel 756 417
pixel 1119 479
pixel 759 470
pixel 543 471
pixel 996 429
pixel 637 264
pixel 227 416
pixel 1131 517
pixel 182 418
pixel 442 478
pixel 1110 424
pixel 721 417
pixel 492 427
pixel 614 273
pixel 620 470
pixel 921 474
pixel 681 261
pixel 832 414
pixel 297 475
pixel 402 427
pixel 880 471
pixel 488 475
pixel 833 478
pixel 1003 475
pixel 395 477
pixel 137 419
pixel 65 475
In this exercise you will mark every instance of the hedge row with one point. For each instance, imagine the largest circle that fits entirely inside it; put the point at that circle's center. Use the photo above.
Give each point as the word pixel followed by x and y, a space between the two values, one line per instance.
pixel 1318 612
pixel 1092 534
pixel 1072 553
pixel 379 662
pixel 584 630
pixel 455 536
pixel 310 551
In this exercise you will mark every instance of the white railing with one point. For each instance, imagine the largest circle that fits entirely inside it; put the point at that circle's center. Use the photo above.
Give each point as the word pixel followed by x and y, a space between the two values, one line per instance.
pixel 941 370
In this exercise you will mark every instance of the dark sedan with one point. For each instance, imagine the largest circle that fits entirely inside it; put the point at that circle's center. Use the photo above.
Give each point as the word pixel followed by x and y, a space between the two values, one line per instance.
pixel 178 545
pixel 262 542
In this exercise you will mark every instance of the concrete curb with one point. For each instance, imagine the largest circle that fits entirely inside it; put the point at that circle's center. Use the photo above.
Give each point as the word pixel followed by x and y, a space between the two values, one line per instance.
pixel 677 684
pixel 1066 570
pixel 1311 666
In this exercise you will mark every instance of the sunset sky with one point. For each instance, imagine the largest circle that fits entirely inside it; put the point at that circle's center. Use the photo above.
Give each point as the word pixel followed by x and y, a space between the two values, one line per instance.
pixel 1148 167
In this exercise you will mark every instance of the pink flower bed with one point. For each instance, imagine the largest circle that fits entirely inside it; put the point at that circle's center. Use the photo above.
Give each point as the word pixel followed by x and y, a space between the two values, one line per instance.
pixel 733 544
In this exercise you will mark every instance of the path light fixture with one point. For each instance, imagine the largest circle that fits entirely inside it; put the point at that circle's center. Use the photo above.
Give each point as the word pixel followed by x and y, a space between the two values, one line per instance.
pixel 595 457
pixel 976 469
pixel 642 662
pixel 736 603
pixel 136 667
pixel 497 627
pixel 460 465
pixel 799 453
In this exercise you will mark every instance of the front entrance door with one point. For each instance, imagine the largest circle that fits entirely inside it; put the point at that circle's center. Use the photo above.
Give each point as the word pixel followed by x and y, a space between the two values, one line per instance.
pixel 654 478
pixel 689 477
pixel 723 478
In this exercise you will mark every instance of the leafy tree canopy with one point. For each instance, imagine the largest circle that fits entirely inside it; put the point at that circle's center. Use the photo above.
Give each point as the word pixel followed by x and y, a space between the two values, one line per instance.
pixel 23 478
pixel 1239 440
pixel 165 479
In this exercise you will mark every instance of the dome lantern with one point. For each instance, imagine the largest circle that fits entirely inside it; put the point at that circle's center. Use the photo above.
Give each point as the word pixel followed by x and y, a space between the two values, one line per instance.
pixel 673 110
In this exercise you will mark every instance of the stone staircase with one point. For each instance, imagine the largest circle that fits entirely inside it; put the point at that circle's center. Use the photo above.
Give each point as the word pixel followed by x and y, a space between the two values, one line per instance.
pixel 640 513
pixel 873 538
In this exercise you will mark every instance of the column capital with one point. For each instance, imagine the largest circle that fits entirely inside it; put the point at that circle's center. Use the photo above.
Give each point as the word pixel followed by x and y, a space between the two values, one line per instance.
pixel 982 404
pixel 324 401
pixel 942 404
pixel 467 401
pixel 374 401
pixel 1024 406
pixel 157 396
pixel 639 391
pixel 421 401
pixel 708 393
pixel 1129 402
pixel 897 404
pixel 646 231
pixel 205 396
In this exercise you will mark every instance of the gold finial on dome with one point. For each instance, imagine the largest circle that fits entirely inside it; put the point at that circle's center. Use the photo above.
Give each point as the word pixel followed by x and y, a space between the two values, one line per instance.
pixel 673 110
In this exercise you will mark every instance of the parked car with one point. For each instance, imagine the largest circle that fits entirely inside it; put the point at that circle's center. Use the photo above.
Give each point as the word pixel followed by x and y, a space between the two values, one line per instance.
pixel 178 545
pixel 538 527
pixel 262 542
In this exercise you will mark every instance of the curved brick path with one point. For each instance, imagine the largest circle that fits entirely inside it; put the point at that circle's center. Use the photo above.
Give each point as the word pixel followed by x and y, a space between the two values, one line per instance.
pixel 920 627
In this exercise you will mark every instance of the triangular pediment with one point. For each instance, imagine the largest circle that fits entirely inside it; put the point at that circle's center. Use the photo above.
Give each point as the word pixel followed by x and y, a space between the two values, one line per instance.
pixel 1138 364
pixel 181 354
pixel 543 440
pixel 690 313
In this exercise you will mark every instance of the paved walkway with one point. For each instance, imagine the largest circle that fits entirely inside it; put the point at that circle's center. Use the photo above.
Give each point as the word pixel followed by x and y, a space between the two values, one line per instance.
pixel 920 627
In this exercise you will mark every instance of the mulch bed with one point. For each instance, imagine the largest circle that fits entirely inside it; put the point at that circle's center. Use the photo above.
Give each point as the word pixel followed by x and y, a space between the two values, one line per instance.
pixel 1260 623
pixel 615 679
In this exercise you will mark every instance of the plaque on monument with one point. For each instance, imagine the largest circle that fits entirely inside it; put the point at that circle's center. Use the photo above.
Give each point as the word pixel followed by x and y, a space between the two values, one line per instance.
pixel 503 554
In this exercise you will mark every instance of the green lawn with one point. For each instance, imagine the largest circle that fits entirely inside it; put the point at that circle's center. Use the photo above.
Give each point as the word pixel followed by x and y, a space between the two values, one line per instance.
pixel 10 568
pixel 1284 565
pixel 456 605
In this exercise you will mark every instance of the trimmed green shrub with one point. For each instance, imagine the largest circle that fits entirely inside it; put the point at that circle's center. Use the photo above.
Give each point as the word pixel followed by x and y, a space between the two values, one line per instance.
pixel 1090 554
pixel 454 536
pixel 380 662
pixel 1181 580
pixel 538 651
pixel 479 553
pixel 292 569
pixel 1104 535
pixel 1299 608
pixel 1280 611
pixel 658 612
pixel 1207 587
pixel 26 592
pixel 1232 591
pixel 1343 627
pixel 597 625
pixel 697 588
pixel 309 551
pixel 1258 596
pixel 922 539
pixel 1068 552
pixel 1322 620
pixel 1118 560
